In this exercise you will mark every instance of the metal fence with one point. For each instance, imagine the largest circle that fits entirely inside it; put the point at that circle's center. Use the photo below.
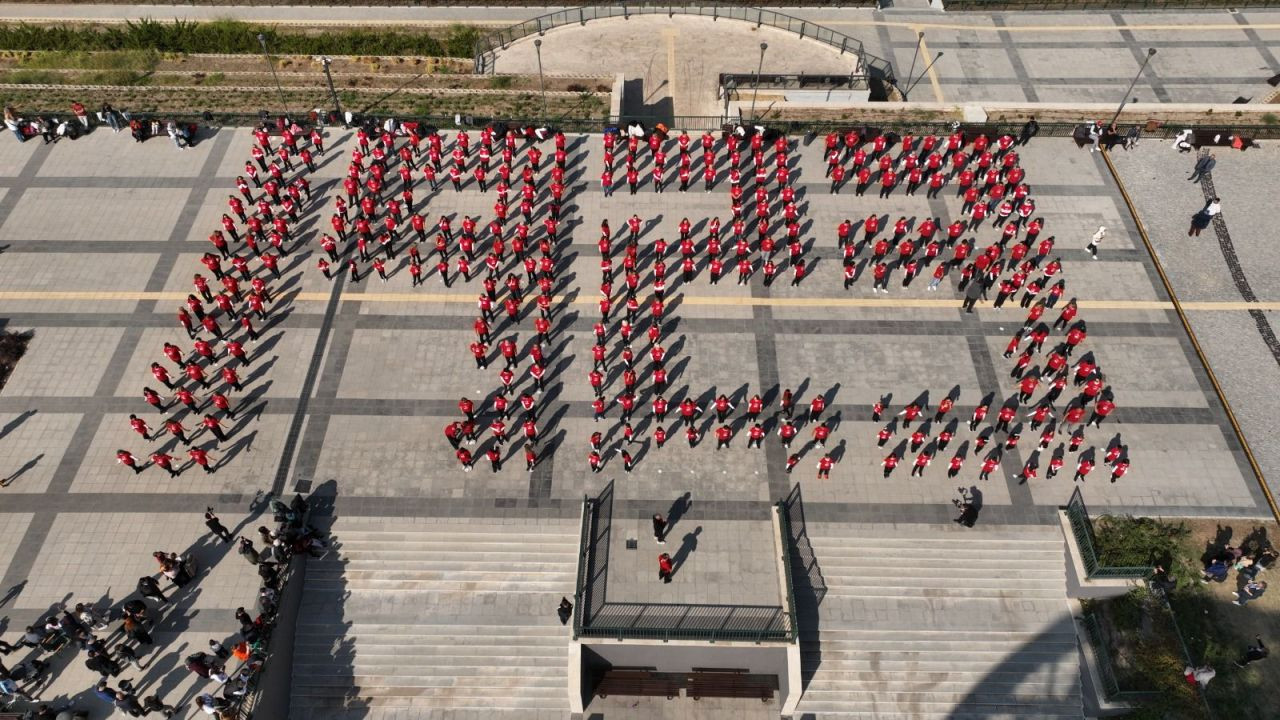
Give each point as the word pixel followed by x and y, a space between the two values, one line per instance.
pixel 789 602
pixel 690 621
pixel 593 562
pixel 1070 5
pixel 595 616
pixel 1082 530
pixel 488 46
pixel 700 123
pixel 1101 657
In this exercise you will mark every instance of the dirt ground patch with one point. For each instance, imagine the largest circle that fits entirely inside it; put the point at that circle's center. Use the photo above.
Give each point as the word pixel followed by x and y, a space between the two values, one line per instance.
pixel 12 347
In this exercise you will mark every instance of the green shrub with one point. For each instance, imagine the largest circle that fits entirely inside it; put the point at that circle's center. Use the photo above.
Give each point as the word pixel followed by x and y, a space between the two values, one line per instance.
pixel 1127 541
pixel 146 37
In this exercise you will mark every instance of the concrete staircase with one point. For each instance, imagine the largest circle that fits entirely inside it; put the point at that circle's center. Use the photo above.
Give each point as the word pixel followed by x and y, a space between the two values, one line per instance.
pixel 931 622
pixel 410 618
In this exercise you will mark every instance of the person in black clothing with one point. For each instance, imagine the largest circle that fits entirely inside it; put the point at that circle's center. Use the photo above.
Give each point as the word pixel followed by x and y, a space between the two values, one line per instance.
pixel 102 664
pixel 149 588
pixel 1253 653
pixel 215 525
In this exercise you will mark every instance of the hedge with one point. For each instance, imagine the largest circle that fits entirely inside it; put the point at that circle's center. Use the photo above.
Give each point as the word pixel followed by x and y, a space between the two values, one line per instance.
pixel 232 36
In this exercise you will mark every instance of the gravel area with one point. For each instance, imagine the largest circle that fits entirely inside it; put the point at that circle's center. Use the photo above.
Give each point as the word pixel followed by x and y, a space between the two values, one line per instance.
pixel 1156 178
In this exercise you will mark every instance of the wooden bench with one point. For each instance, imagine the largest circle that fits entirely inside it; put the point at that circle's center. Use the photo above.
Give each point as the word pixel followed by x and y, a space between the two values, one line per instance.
pixel 731 685
pixel 638 682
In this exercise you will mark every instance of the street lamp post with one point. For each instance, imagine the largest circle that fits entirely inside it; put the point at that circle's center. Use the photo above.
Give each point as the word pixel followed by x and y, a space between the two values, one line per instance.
pixel 1125 100
pixel 756 90
pixel 542 86
pixel 337 106
pixel 262 40
pixel 729 86
pixel 911 84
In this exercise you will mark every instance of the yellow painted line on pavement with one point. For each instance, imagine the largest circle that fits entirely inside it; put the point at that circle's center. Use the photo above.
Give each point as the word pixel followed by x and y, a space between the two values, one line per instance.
pixel 925 57
pixel 1197 28
pixel 700 300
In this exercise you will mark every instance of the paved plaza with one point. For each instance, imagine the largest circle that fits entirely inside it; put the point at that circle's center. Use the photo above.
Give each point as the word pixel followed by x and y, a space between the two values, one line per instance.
pixel 351 384
pixel 438 599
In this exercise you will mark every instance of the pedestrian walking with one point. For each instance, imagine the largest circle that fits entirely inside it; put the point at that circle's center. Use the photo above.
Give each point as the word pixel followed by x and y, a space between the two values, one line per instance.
pixel 1095 241
pixel 665 568
pixel 150 589
pixel 1204 165
pixel 215 525
pixel 248 551
pixel 659 528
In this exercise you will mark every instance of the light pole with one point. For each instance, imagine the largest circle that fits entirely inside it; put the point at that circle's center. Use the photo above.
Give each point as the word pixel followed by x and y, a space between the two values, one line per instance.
pixel 1124 100
pixel 914 56
pixel 542 85
pixel 756 90
pixel 911 85
pixel 262 40
pixel 729 86
pixel 337 106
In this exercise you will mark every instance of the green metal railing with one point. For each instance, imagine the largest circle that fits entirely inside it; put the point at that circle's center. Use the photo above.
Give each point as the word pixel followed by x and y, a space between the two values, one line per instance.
pixel 488 46
pixel 595 616
pixel 784 525
pixel 690 621
pixel 580 595
pixel 1082 530
pixel 1101 657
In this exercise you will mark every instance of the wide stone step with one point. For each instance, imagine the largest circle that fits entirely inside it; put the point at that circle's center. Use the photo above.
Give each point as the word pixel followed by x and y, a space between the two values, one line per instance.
pixel 463 534
pixel 912 532
pixel 942 701
pixel 550 584
pixel 971 667
pixel 949 614
pixel 890 644
pixel 492 551
pixel 430 572
pixel 333 711
pixel 837 709
pixel 343 672
pixel 431 658
pixel 1050 561
pixel 836 575
pixel 519 684
pixel 479 632
pixel 891 549
pixel 858 634
pixel 1054 676
pixel 945 593
pixel 389 692
pixel 368 706
pixel 368 641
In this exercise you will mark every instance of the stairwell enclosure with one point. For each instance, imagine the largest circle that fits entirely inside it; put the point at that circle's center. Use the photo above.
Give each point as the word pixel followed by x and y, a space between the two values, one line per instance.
pixel 696 641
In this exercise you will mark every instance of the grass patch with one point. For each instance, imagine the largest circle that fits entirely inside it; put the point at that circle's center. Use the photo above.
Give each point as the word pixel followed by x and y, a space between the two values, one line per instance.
pixel 1147 642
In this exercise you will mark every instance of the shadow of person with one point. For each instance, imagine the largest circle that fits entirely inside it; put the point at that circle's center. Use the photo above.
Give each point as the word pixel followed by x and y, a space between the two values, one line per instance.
pixel 678 509
pixel 26 467
pixel 12 593
pixel 688 545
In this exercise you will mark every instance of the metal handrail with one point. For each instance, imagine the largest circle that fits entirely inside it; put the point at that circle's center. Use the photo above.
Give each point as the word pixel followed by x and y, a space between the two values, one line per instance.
pixel 690 621
pixel 1082 530
pixel 584 554
pixel 1102 657
pixel 784 525
pixel 486 48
